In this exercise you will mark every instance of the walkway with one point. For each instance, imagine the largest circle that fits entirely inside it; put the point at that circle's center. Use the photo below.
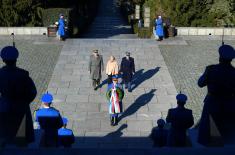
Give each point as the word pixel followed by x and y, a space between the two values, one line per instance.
pixel 153 94
pixel 154 91
pixel 109 23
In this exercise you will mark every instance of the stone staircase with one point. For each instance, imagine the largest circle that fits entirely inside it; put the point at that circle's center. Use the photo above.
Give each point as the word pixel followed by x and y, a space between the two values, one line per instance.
pixel 153 93
pixel 109 23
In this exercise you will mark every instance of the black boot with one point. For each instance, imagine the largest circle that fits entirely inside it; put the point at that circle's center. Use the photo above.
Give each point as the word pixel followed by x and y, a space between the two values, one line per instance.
pixel 115 122
pixel 112 121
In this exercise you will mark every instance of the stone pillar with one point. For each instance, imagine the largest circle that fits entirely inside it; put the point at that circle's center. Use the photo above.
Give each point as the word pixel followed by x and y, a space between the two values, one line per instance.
pixel 147 17
pixel 137 12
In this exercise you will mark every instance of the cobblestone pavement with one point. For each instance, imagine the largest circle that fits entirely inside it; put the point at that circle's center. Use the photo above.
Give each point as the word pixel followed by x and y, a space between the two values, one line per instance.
pixel 187 62
pixel 38 55
pixel 154 93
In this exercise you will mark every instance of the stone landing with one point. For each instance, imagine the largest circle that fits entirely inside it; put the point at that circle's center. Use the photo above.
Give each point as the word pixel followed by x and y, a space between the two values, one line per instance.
pixel 153 93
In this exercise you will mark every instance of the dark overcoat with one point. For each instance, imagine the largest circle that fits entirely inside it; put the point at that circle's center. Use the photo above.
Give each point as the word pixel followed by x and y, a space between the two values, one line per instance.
pixel 96 66
pixel 181 119
pixel 159 136
pixel 17 91
pixel 127 68
pixel 219 103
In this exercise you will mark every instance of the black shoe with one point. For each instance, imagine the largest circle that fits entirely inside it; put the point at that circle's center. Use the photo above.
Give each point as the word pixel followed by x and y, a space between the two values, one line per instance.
pixel 112 121
pixel 115 122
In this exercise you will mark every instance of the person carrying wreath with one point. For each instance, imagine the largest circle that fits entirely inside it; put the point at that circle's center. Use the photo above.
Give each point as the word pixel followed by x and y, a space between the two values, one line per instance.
pixel 114 96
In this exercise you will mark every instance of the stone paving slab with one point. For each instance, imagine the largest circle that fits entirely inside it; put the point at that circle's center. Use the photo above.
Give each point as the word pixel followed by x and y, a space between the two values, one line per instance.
pixel 153 94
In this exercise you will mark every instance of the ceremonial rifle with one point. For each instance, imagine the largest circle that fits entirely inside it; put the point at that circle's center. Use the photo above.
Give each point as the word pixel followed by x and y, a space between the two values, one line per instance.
pixel 13 39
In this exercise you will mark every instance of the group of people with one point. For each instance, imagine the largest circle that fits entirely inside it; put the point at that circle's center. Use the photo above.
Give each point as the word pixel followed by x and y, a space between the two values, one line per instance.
pixel 115 92
pixel 126 70
pixel 218 109
pixel 18 90
pixel 54 126
pixel 180 120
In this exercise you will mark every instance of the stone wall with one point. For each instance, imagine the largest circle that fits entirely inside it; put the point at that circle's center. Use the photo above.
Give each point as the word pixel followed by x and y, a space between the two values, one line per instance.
pixel 181 31
pixel 190 31
pixel 23 30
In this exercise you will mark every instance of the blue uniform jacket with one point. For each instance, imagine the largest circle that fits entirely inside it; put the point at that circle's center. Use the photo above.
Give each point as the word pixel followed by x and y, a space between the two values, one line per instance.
pixel 65 137
pixel 61 30
pixel 159 27
pixel 49 118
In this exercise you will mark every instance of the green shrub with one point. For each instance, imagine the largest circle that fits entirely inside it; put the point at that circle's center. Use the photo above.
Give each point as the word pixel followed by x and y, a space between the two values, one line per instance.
pixel 196 13
pixel 50 16
pixel 144 32
pixel 20 13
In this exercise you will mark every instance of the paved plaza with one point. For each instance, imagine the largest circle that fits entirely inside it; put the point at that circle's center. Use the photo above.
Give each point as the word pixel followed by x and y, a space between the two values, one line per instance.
pixel 153 91
pixel 162 70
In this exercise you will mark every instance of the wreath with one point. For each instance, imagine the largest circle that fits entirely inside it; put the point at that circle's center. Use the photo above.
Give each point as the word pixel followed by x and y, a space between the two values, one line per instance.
pixel 119 91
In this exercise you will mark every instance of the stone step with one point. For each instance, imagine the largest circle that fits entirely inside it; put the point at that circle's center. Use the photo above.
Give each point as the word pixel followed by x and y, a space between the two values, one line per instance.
pixel 116 151
pixel 108 23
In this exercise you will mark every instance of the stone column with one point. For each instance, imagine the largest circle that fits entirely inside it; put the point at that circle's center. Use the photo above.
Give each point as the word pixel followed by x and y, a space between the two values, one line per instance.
pixel 137 12
pixel 147 17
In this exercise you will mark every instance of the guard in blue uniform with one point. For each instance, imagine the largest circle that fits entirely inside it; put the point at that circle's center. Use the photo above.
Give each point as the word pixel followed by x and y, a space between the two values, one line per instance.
pixel 159 28
pixel 219 103
pixel 181 119
pixel 61 28
pixel 49 120
pixel 17 91
pixel 159 134
pixel 65 136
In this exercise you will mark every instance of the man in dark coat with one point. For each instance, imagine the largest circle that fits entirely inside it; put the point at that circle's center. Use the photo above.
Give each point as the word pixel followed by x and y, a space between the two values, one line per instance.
pixel 17 92
pixel 96 66
pixel 219 103
pixel 181 119
pixel 127 69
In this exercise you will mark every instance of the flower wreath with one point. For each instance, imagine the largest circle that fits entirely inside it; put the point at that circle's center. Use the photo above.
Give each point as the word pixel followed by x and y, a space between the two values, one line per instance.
pixel 119 91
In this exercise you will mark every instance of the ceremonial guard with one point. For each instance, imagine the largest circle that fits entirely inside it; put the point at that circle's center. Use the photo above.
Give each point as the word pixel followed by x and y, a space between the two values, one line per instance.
pixel 159 28
pixel 127 69
pixel 219 104
pixel 114 95
pixel 65 136
pixel 96 66
pixel 49 120
pixel 61 27
pixel 159 134
pixel 17 91
pixel 180 119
